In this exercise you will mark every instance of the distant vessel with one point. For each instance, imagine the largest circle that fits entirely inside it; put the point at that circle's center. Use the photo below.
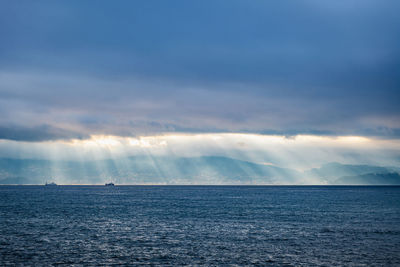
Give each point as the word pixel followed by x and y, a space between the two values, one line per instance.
pixel 50 184
pixel 109 184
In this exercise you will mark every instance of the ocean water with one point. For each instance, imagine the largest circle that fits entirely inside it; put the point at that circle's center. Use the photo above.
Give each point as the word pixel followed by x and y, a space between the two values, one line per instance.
pixel 200 225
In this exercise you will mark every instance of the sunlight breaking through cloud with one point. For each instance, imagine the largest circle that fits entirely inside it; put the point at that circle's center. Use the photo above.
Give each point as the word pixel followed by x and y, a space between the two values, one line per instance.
pixel 279 150
pixel 219 158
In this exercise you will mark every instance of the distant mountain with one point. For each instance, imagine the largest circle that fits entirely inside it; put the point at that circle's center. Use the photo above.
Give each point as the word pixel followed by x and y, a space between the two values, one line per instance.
pixel 178 170
pixel 331 172
pixel 145 170
pixel 370 179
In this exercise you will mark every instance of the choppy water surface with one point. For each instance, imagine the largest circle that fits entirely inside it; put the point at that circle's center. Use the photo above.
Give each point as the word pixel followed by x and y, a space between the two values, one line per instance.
pixel 200 225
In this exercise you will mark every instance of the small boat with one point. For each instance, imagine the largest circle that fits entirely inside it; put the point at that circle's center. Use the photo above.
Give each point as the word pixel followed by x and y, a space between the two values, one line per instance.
pixel 50 184
pixel 109 184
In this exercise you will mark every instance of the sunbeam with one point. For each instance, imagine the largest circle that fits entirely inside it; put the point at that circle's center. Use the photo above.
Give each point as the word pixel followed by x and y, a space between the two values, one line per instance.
pixel 232 158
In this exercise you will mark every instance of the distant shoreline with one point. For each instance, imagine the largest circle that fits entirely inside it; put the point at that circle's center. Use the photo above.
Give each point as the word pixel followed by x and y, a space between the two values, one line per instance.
pixel 188 185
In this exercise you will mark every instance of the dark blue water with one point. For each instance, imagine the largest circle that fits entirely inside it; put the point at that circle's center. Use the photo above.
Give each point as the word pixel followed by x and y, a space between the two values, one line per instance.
pixel 200 225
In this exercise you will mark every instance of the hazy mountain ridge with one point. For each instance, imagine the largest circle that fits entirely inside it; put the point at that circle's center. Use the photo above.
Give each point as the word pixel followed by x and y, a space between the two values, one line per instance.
pixel 145 169
pixel 179 170
pixel 370 179
pixel 334 172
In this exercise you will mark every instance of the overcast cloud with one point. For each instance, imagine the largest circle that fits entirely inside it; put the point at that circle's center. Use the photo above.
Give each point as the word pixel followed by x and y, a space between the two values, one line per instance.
pixel 71 69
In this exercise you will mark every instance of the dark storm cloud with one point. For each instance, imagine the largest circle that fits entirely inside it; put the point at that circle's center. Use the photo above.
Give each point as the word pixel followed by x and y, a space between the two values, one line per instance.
pixel 38 133
pixel 142 67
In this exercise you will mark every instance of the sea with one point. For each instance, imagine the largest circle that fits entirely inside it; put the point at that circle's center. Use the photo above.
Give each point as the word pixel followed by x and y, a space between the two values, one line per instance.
pixel 199 226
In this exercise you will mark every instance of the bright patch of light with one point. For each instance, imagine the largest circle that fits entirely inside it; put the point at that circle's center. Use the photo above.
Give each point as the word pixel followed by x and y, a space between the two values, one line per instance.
pixel 300 152
pixel 97 140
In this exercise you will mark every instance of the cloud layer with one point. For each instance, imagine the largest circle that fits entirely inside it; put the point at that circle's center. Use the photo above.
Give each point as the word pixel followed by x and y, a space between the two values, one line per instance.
pixel 73 69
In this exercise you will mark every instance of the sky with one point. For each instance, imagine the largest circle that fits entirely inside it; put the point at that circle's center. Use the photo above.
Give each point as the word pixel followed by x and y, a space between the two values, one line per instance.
pixel 76 71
